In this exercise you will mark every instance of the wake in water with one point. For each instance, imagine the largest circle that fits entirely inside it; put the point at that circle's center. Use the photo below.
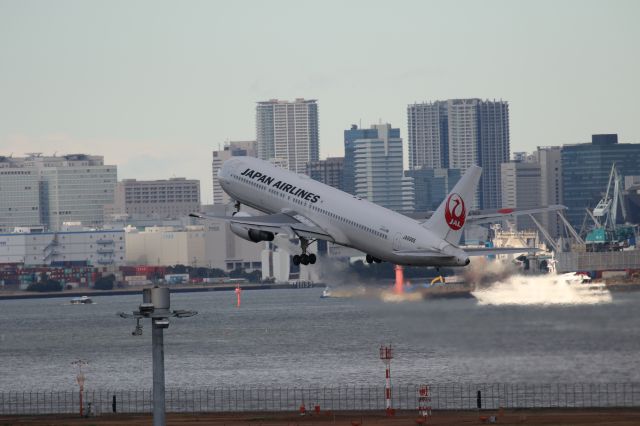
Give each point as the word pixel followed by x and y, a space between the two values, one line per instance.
pixel 542 290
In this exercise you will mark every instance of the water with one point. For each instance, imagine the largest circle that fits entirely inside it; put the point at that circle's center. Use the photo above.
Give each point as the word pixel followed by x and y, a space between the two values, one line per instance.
pixel 294 338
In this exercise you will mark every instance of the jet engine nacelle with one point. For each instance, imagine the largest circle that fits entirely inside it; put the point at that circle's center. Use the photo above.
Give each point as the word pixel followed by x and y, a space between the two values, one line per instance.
pixel 254 235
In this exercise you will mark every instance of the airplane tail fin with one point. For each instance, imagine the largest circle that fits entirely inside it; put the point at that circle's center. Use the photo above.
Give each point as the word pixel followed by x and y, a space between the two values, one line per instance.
pixel 448 220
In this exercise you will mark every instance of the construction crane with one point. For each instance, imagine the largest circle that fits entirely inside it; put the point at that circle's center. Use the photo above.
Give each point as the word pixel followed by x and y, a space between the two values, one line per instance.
pixel 606 234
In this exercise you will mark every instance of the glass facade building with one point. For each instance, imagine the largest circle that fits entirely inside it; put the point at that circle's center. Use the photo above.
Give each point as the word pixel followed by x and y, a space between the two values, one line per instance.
pixel 586 168
pixel 431 186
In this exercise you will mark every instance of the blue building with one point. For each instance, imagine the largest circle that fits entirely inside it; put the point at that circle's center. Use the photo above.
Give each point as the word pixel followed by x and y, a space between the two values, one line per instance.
pixel 586 168
pixel 431 186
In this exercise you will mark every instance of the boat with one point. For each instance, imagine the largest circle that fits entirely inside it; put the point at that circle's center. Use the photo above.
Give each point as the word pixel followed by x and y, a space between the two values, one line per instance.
pixel 583 283
pixel 326 293
pixel 82 300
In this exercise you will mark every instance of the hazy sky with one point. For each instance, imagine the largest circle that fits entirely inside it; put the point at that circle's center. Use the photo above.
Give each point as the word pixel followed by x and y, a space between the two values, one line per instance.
pixel 155 86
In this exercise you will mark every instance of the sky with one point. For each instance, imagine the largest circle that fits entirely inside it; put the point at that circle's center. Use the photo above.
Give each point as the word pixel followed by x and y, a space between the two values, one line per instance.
pixel 156 86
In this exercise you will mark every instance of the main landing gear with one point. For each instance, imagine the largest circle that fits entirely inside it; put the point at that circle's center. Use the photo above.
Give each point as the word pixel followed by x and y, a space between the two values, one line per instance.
pixel 237 207
pixel 371 259
pixel 304 258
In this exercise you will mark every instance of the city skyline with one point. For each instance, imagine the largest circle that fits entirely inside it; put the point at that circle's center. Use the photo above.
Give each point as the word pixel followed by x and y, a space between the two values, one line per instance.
pixel 156 93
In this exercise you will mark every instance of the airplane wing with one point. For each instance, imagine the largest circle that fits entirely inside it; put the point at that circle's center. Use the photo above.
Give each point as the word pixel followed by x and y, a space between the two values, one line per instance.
pixel 279 223
pixel 484 216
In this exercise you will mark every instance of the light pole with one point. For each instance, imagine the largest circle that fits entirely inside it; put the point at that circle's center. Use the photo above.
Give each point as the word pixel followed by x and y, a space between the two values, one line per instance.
pixel 155 306
pixel 80 379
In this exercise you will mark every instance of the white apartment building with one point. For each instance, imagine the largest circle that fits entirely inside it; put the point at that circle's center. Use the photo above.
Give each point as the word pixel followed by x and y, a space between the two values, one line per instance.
pixel 288 131
pixel 71 188
pixel 428 135
pixel 157 199
pixel 231 149
pixel 33 247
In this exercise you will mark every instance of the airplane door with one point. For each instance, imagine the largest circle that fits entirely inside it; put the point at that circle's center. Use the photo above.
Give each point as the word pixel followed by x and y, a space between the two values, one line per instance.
pixel 397 241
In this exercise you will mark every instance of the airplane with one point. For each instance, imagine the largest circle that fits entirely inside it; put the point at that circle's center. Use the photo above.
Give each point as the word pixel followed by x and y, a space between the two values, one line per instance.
pixel 305 209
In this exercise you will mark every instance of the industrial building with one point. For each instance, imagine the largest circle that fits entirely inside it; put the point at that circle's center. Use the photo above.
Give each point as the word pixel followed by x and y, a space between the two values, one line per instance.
pixel 157 199
pixel 73 245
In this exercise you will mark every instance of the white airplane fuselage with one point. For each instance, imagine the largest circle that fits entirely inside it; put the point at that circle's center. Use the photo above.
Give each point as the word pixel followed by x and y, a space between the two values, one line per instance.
pixel 350 220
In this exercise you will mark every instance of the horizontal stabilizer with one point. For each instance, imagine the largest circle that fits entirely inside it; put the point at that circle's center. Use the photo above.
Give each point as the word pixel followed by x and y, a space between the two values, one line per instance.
pixel 486 251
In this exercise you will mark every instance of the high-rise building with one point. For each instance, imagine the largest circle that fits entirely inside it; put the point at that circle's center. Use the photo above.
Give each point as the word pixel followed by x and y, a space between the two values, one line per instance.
pixel 431 186
pixel 231 149
pixel 288 130
pixel 72 188
pixel 521 189
pixel 157 199
pixel 428 128
pixel 329 171
pixel 458 133
pixel 373 167
pixel 586 168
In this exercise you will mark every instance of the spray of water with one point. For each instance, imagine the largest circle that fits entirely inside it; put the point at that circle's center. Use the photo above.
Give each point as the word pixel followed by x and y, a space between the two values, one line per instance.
pixel 498 283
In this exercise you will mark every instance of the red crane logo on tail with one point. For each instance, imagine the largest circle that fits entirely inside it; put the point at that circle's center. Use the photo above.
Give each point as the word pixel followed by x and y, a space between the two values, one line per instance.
pixel 455 212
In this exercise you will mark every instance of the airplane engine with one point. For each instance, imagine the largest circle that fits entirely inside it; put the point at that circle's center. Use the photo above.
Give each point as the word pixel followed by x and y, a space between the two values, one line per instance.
pixel 254 235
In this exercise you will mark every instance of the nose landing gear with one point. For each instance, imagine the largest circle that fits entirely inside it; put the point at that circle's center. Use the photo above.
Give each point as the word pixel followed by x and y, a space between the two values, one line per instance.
pixel 371 259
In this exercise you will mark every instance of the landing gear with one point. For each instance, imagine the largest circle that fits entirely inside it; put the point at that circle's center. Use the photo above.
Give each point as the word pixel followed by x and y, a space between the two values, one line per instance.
pixel 371 259
pixel 304 258
pixel 237 207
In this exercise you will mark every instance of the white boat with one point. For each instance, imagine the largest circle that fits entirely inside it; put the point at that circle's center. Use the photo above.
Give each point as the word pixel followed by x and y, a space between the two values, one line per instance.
pixel 583 283
pixel 326 293
pixel 82 300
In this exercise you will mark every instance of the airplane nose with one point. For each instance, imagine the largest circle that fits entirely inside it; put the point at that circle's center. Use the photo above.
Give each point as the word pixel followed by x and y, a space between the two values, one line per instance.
pixel 466 262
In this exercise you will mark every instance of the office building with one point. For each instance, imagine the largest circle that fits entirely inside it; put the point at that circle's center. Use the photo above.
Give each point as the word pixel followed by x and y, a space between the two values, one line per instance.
pixel 71 188
pixel 521 183
pixel 458 133
pixel 288 131
pixel 431 186
pixel 586 168
pixel 373 167
pixel 231 149
pixel 157 199
pixel 329 171
pixel 20 201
